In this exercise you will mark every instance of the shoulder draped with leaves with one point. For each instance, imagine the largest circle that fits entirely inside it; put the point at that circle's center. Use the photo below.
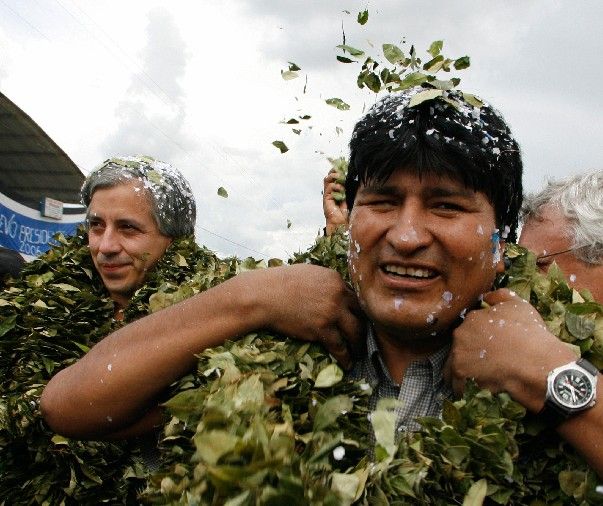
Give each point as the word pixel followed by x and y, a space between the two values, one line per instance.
pixel 267 420
pixel 49 318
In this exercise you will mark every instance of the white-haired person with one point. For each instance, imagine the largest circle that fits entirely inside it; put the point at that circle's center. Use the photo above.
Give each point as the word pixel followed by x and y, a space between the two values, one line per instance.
pixel 564 224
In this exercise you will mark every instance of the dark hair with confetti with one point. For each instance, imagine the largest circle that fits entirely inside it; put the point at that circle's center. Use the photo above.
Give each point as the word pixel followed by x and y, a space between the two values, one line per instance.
pixel 445 136
pixel 172 200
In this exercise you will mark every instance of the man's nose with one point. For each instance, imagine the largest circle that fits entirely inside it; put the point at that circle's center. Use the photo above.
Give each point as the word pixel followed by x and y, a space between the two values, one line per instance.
pixel 410 229
pixel 109 242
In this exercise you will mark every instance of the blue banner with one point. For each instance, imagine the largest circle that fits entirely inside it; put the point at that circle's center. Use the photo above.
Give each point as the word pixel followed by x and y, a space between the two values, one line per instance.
pixel 24 230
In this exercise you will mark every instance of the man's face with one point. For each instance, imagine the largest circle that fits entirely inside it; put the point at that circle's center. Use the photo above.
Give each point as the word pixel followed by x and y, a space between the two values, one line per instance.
pixel 421 253
pixel 125 241
pixel 548 233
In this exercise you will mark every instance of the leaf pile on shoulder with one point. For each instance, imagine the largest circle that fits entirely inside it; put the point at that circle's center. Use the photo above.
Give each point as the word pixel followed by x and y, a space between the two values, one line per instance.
pixel 49 318
pixel 265 420
pixel 260 422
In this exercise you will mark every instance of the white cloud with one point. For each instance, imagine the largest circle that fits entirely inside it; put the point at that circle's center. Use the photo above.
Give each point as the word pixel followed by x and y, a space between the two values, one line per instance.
pixel 198 85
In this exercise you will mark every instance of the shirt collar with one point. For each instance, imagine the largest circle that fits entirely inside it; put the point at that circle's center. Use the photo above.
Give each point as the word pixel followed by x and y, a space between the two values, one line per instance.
pixel 378 369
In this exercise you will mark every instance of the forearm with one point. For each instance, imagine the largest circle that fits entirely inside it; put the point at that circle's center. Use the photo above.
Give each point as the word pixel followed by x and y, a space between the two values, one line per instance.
pixel 583 432
pixel 125 375
pixel 120 379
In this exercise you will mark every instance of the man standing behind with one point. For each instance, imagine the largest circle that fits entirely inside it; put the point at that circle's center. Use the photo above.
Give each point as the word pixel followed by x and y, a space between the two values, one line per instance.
pixel 564 224
pixel 134 213
pixel 136 207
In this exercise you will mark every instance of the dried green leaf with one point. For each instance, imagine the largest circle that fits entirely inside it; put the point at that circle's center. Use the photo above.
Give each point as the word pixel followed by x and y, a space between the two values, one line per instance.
pixel 363 17
pixel 330 410
pixel 281 146
pixel 424 96
pixel 288 75
pixel 7 323
pixel 337 103
pixel 393 54
pixel 352 50
pixel 329 376
pixel 462 63
pixel 472 100
pixel 435 48
pixel 212 445
pixel 476 494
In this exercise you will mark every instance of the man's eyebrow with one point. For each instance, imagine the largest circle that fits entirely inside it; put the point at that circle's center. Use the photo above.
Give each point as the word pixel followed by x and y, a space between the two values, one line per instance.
pixel 380 189
pixel 128 221
pixel 430 192
pixel 451 191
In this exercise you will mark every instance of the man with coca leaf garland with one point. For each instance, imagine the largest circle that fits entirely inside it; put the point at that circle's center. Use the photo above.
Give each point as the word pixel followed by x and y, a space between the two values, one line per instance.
pixel 433 192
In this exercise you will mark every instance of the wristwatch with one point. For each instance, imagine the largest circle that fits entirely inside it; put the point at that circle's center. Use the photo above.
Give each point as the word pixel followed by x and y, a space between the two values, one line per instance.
pixel 571 388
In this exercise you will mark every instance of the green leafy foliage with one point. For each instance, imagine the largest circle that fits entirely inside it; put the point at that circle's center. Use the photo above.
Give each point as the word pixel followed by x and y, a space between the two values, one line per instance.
pixel 262 421
pixel 56 310
pixel 266 419
pixel 399 71
pixel 50 317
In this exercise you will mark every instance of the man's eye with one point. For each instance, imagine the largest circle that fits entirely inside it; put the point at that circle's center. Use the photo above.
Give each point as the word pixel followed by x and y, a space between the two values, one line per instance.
pixel 380 202
pixel 449 206
pixel 129 227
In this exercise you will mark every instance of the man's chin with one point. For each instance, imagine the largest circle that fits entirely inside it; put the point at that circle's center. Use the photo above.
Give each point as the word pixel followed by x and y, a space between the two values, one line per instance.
pixel 412 327
pixel 120 291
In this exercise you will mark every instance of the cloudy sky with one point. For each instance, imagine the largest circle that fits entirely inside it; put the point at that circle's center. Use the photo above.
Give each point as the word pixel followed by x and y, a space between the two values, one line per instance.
pixel 198 84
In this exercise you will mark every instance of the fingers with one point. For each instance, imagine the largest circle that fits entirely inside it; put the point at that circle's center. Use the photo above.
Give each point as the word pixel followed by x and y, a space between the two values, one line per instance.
pixel 332 188
pixel 331 184
pixel 351 324
pixel 501 295
pixel 451 376
pixel 331 177
pixel 336 345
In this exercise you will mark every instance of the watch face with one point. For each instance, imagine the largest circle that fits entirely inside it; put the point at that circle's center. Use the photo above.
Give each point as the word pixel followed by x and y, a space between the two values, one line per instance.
pixel 572 388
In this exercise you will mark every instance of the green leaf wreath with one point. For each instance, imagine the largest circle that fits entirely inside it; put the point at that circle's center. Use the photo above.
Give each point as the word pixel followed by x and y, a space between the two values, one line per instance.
pixel 265 419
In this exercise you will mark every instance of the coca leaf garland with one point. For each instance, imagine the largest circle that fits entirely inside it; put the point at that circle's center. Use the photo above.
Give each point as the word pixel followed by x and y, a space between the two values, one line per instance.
pixel 266 419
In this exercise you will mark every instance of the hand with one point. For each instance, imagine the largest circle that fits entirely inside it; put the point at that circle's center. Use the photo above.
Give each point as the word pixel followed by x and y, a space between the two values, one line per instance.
pixel 336 213
pixel 506 347
pixel 310 303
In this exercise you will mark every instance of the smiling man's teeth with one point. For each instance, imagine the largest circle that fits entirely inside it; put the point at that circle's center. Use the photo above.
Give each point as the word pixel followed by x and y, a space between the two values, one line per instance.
pixel 409 271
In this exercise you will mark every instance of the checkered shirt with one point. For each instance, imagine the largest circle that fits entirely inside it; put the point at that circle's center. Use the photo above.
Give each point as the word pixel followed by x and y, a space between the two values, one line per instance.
pixel 421 393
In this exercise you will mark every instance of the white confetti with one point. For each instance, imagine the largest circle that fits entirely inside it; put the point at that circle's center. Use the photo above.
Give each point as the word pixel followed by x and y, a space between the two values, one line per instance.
pixel 339 453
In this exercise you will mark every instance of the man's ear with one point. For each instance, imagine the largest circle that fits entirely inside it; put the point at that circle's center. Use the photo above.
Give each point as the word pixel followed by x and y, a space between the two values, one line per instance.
pixel 500 266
